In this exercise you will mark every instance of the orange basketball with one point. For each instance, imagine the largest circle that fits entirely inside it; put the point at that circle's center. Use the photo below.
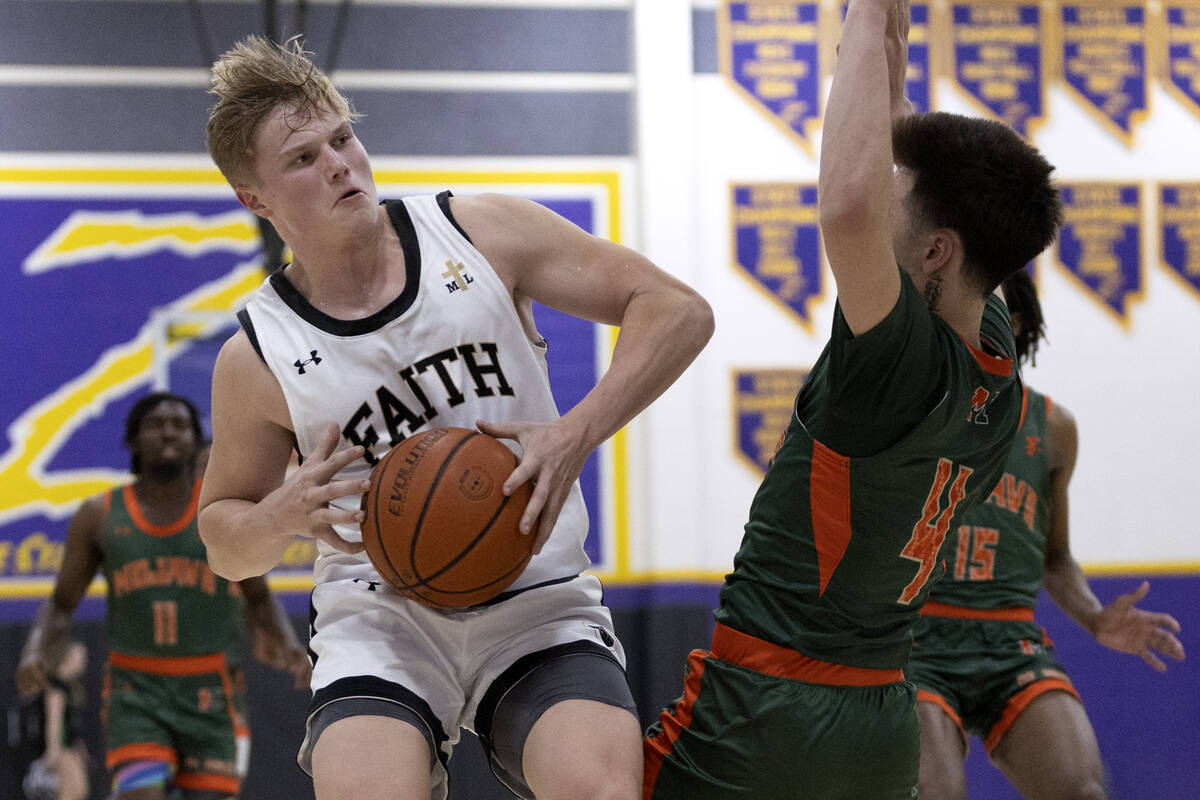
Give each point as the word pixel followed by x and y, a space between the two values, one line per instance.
pixel 439 527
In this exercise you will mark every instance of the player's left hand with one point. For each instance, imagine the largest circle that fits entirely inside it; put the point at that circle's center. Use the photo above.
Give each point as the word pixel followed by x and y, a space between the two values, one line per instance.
pixel 552 458
pixel 1124 627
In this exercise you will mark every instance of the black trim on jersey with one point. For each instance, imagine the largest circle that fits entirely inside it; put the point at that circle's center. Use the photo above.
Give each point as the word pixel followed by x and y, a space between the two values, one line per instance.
pixel 312 629
pixel 248 326
pixel 500 598
pixel 402 222
pixel 374 687
pixel 486 712
pixel 443 201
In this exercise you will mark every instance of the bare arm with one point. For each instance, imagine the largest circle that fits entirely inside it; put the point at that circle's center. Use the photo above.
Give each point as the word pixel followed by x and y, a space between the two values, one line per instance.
pixel 54 701
pixel 1119 625
pixel 663 326
pixel 81 559
pixel 249 513
pixel 855 184
pixel 274 639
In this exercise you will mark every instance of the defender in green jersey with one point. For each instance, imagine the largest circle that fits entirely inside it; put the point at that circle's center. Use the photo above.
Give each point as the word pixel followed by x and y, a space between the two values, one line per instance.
pixel 980 663
pixel 905 420
pixel 173 694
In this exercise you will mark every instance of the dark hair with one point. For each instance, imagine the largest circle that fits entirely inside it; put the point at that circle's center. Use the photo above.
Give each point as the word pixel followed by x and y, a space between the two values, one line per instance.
pixel 980 179
pixel 133 421
pixel 1021 297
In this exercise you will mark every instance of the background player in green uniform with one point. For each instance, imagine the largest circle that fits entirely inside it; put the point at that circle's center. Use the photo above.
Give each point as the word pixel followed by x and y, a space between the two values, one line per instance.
pixel 980 663
pixel 906 416
pixel 173 694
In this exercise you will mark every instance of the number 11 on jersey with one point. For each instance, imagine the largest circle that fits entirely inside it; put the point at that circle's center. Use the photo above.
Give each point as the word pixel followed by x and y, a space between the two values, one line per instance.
pixel 166 622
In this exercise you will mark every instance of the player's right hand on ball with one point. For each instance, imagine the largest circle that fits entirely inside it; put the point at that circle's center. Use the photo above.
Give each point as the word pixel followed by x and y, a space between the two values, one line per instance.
pixel 310 490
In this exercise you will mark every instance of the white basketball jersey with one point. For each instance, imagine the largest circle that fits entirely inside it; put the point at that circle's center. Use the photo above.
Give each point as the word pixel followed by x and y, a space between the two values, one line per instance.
pixel 449 350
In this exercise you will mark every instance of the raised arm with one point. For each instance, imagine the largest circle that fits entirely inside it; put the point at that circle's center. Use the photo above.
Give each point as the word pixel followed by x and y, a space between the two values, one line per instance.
pixel 855 183
pixel 663 326
pixel 1120 625
pixel 249 513
pixel 81 559
pixel 273 638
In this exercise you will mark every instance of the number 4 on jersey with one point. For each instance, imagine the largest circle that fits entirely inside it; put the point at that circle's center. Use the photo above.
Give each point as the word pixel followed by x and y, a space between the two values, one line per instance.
pixel 930 531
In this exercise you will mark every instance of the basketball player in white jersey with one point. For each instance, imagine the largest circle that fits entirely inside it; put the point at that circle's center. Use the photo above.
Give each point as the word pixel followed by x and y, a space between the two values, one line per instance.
pixel 393 318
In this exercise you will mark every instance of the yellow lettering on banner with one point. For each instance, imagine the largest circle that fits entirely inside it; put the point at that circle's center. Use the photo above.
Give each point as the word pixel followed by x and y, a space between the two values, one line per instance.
pixel 994 15
pixel 1008 71
pixel 773 51
pixel 37 553
pixel 795 215
pixel 778 69
pixel 1024 34
pixel 1129 34
pixel 802 33
pixel 1096 16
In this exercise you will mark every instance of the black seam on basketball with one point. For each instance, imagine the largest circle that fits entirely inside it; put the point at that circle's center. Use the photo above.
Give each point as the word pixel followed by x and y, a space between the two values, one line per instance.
pixel 433 486
pixel 427 581
pixel 463 554
pixel 382 467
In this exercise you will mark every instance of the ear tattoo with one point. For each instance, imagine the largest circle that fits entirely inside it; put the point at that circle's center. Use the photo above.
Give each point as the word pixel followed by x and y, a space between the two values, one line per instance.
pixel 933 292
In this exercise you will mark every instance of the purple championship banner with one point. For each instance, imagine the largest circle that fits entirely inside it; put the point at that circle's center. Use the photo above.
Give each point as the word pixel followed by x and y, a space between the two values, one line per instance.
pixel 997 60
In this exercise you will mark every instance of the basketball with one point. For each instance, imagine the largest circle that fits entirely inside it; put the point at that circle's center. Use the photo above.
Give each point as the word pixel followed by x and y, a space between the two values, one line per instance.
pixel 438 526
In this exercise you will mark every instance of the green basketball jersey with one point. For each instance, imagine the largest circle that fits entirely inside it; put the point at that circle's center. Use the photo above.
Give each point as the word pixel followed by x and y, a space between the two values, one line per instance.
pixel 839 551
pixel 995 556
pixel 163 600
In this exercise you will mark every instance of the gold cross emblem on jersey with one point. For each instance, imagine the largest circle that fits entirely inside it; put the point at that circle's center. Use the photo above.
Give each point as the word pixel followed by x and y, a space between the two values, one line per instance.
pixel 456 273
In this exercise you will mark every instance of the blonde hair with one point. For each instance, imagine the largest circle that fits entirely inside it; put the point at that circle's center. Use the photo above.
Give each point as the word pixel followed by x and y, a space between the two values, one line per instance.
pixel 251 80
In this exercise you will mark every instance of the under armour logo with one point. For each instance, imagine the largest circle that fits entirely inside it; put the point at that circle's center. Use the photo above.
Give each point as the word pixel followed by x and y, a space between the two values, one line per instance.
pixel 1033 445
pixel 313 359
pixel 370 584
pixel 978 412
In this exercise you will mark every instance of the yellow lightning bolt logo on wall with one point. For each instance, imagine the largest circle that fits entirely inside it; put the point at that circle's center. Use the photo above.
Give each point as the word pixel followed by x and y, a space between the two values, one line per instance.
pixel 94 235
pixel 39 433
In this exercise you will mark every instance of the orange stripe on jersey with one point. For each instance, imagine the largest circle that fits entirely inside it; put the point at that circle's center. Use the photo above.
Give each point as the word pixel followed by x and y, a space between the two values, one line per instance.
pixel 1019 614
pixel 672 721
pixel 139 519
pixel 1024 405
pixel 1048 405
pixel 829 499
pixel 925 696
pixel 995 365
pixel 159 665
pixel 783 662
pixel 212 783
pixel 136 752
pixel 1020 702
